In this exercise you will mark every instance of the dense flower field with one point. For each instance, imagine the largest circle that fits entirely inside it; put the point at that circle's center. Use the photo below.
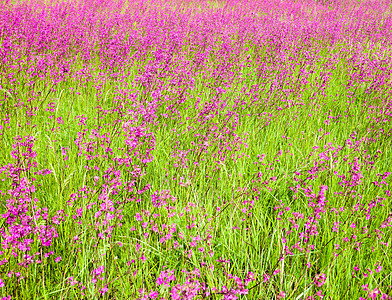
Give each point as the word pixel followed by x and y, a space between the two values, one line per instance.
pixel 196 149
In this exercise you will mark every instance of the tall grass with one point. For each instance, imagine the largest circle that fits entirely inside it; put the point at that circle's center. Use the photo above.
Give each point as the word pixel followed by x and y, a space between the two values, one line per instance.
pixel 195 150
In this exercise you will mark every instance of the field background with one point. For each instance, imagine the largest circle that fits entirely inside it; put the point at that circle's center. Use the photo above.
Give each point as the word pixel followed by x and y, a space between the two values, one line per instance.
pixel 195 149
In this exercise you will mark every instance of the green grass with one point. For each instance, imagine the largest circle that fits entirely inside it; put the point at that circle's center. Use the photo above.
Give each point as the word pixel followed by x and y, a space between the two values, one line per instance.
pixel 214 200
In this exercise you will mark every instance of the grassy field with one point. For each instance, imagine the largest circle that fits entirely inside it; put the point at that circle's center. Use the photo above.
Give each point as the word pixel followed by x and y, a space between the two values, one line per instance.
pixel 195 149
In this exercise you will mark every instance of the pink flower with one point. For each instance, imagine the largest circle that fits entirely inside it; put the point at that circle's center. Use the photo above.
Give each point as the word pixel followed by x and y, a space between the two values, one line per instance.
pixel 57 259
pixel 281 295
pixel 373 294
pixel 250 277
pixel 104 290
pixel 71 281
pixel 365 287
pixel 97 272
pixel 385 297
pixel 319 280
pixel 165 278
pixel 319 294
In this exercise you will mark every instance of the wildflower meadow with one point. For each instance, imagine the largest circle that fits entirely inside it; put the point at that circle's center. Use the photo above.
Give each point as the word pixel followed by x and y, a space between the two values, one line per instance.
pixel 196 149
